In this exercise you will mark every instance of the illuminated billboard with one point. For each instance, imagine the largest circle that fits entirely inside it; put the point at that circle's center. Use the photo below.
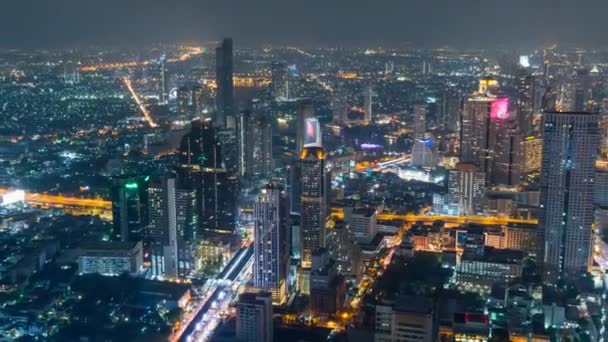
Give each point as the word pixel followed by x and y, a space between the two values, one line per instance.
pixel 500 109
pixel 312 133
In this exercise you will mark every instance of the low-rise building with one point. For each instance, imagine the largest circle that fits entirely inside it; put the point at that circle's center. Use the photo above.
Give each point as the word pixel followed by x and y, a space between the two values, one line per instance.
pixel 110 258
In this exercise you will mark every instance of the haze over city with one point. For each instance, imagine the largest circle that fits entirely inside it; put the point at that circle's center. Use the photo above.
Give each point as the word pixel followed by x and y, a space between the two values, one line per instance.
pixel 269 171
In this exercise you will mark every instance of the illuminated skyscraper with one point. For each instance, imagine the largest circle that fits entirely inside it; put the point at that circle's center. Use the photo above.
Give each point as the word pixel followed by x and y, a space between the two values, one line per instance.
pixel 419 121
pixel 129 208
pixel 271 242
pixel 340 107
pixel 488 134
pixel 200 158
pixel 566 193
pixel 162 228
pixel 466 192
pixel 184 102
pixel 449 109
pixel 223 74
pixel 423 154
pixel 163 96
pixel 254 141
pixel 527 88
pixel 315 192
pixel 280 82
pixel 368 96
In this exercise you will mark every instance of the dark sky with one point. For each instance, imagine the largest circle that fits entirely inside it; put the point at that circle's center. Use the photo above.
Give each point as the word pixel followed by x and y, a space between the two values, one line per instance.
pixel 472 23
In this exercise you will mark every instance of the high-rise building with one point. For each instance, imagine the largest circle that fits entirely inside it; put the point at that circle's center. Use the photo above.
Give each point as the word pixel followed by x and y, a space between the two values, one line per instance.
pixel 184 102
pixel 343 248
pixel 526 98
pixel 163 86
pixel 315 193
pixel 295 186
pixel 129 208
pixel 340 107
pixel 449 109
pixel 368 96
pixel 505 156
pixel 571 141
pixel 200 158
pixel 162 227
pixel 583 99
pixel 327 287
pixel 271 242
pixel 223 74
pixel 423 154
pixel 466 192
pixel 280 81
pixel 488 134
pixel 187 228
pixel 532 154
pixel 419 121
pixel 254 317
pixel 363 224
pixel 254 142
pixel 173 227
pixel 202 103
pixel 305 111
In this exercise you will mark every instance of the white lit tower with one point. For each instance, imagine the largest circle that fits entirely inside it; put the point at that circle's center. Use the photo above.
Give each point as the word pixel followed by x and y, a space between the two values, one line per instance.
pixel 314 198
pixel 271 242
pixel 571 141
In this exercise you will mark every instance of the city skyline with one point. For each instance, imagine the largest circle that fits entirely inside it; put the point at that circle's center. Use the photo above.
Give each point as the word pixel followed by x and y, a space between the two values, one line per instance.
pixel 236 190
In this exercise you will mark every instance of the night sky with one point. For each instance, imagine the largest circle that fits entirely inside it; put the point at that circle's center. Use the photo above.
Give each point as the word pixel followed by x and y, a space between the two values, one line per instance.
pixel 458 23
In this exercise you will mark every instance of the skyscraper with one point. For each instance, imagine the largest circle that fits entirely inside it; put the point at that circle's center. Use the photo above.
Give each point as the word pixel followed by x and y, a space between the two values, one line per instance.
pixel 184 102
pixel 423 154
pixel 254 142
pixel 187 228
pixel 466 192
pixel 487 132
pixel 449 108
pixel 271 242
pixel 566 193
pixel 368 95
pixel 315 191
pixel 419 121
pixel 129 208
pixel 280 82
pixel 162 228
pixel 339 103
pixel 526 98
pixel 163 96
pixel 223 75
pixel 254 317
pixel 200 158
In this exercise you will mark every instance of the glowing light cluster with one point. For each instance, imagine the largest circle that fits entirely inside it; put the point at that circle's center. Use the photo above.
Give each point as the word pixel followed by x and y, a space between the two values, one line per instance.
pixel 499 109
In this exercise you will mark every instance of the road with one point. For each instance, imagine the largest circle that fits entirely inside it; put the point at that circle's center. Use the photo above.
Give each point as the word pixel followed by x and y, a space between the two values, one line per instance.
pixel 142 108
pixel 221 292
pixel 339 214
pixel 189 52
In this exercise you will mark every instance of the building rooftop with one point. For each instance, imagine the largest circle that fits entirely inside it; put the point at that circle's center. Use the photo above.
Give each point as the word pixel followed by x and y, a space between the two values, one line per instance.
pixel 109 245
pixel 365 211
pixel 494 255
pixel 414 304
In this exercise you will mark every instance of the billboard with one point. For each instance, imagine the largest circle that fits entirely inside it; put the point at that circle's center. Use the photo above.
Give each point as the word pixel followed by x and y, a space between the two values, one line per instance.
pixel 500 109
pixel 312 133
